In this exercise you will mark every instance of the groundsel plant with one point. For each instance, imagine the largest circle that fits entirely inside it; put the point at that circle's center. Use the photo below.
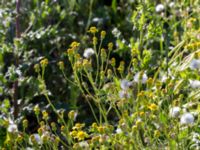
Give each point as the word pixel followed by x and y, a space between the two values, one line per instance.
pixel 146 112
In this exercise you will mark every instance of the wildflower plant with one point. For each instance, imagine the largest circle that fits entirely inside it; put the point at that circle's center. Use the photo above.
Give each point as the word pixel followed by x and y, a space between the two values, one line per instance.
pixel 147 100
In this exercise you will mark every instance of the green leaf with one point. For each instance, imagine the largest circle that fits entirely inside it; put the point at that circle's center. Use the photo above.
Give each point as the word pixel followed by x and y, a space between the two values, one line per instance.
pixel 114 5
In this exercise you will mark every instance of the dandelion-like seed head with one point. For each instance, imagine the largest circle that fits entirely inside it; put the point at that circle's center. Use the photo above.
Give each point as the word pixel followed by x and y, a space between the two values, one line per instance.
pixel 88 52
pixel 187 119
pixel 160 8
pixel 125 84
pixel 194 84
pixel 174 112
pixel 140 77
pixel 195 64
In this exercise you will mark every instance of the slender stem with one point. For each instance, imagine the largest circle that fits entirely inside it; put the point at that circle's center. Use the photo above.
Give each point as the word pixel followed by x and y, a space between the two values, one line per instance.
pixel 90 15
pixel 15 85
pixel 68 79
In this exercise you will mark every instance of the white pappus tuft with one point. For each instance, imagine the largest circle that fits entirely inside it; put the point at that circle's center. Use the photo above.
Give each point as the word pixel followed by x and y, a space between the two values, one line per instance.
pixel 174 112
pixel 187 118
pixel 160 7
pixel 88 52
pixel 195 64
pixel 140 77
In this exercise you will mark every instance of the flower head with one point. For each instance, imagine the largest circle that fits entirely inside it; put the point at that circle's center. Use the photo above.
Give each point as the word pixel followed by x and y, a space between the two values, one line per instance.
pixel 153 107
pixel 187 118
pixel 160 8
pixel 174 112
pixel 93 30
pixel 125 84
pixel 194 83
pixel 35 138
pixel 124 94
pixel 12 128
pixel 195 64
pixel 88 52
pixel 118 130
pixel 140 76
pixel 81 135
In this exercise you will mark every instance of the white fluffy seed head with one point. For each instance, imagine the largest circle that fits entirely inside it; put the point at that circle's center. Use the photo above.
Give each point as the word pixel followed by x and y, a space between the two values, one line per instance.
pixel 194 84
pixel 195 64
pixel 12 128
pixel 88 52
pixel 125 84
pixel 160 7
pixel 174 112
pixel 138 77
pixel 187 118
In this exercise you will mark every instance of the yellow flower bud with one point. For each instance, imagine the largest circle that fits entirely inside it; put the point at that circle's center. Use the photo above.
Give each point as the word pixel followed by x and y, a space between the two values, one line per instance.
pixel 74 45
pixel 93 30
pixel 113 62
pixel 37 68
pixel 103 34
pixel 44 62
pixel 45 115
pixel 110 46
pixel 25 123
pixel 61 65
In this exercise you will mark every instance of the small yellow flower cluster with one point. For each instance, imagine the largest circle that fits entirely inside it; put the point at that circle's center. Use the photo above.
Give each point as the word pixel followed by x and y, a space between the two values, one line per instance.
pixel 44 62
pixel 45 115
pixel 78 133
pixel 78 126
pixel 74 45
pixel 73 49
pixel 121 67
pixel 193 46
pixel 101 129
pixel 72 115
pixel 93 30
pixel 153 107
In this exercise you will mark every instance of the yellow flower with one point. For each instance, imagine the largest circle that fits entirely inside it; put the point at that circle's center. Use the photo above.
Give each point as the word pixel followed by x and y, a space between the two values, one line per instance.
pixel 74 45
pixel 93 30
pixel 153 107
pixel 81 135
pixel 73 133
pixel 45 115
pixel 94 125
pixel 72 114
pixel 44 62
pixel 101 129
pixel 78 126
